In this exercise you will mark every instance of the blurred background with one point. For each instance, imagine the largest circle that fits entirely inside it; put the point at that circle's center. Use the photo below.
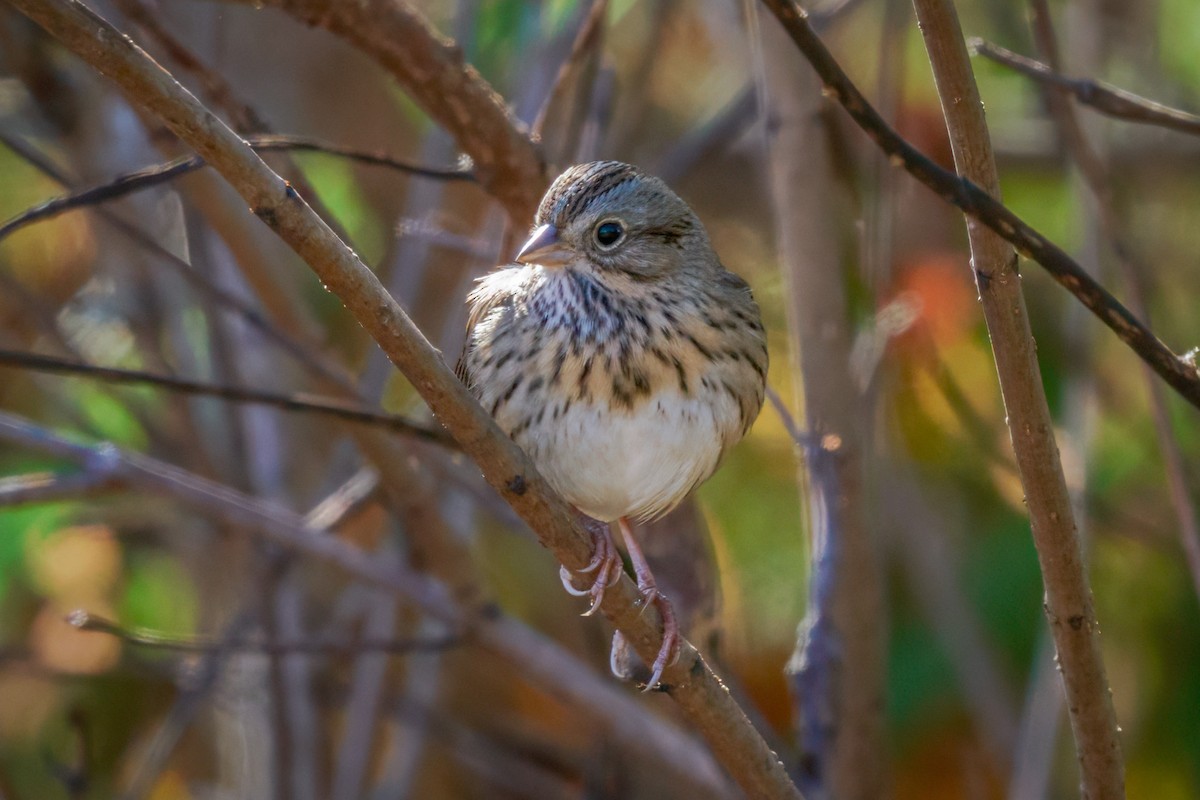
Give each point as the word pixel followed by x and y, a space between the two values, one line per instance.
pixel 180 280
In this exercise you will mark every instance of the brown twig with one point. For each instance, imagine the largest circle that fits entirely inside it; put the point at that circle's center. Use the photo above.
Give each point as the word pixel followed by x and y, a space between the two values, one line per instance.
pixel 689 681
pixel 148 177
pixel 1068 601
pixel 979 205
pixel 327 406
pixel 86 621
pixel 431 69
pixel 1108 100
pixel 565 108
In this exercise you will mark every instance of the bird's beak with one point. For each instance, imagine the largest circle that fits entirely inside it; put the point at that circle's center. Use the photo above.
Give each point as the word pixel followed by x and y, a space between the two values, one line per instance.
pixel 544 248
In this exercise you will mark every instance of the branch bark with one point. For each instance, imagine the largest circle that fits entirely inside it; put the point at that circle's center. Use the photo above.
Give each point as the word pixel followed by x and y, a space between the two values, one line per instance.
pixel 690 682
pixel 1068 600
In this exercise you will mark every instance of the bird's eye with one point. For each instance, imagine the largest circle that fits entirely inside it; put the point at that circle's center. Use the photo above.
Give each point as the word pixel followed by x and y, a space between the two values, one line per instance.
pixel 609 233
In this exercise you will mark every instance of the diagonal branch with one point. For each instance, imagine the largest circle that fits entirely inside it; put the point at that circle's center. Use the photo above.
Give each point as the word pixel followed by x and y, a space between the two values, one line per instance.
pixel 431 69
pixel 978 204
pixel 690 682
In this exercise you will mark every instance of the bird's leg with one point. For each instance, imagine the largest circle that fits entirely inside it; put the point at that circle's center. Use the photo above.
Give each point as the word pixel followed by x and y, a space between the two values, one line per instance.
pixel 606 563
pixel 669 651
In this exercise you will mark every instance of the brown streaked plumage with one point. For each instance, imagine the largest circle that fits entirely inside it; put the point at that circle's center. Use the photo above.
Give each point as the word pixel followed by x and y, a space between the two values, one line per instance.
pixel 619 354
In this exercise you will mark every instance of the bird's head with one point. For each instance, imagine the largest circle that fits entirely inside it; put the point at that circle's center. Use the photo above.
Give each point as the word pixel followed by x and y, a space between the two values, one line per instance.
pixel 606 216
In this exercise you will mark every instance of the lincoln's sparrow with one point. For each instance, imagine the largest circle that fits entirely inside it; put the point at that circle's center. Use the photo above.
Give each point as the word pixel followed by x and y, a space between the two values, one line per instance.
pixel 620 355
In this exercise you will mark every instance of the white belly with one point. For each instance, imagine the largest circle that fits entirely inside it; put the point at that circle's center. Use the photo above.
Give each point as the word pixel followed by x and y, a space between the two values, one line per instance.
pixel 639 463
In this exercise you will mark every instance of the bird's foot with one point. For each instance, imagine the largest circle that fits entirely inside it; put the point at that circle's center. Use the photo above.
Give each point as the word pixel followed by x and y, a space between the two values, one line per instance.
pixel 606 563
pixel 668 652
pixel 625 664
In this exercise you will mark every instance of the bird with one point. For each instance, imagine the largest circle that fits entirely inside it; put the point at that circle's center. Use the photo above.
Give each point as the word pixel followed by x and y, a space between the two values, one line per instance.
pixel 618 352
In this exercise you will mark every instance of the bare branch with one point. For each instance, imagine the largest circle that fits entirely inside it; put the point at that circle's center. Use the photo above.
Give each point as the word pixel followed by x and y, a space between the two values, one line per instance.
pixel 1069 607
pixel 568 98
pixel 836 671
pixel 305 353
pixel 86 621
pixel 149 177
pixel 327 406
pixel 979 205
pixel 1108 100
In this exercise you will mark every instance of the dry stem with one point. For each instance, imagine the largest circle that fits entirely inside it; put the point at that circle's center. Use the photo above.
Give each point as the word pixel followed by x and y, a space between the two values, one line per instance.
pixel 1068 601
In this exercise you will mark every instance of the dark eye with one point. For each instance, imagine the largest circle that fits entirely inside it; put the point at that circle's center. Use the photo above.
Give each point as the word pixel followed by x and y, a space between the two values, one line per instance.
pixel 609 233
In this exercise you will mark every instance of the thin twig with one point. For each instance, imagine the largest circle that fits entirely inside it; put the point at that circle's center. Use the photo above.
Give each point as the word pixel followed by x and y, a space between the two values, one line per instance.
pixel 565 108
pixel 326 406
pixel 704 700
pixel 148 177
pixel 978 204
pixel 345 500
pixel 1069 607
pixel 1108 100
pixel 48 487
pixel 86 621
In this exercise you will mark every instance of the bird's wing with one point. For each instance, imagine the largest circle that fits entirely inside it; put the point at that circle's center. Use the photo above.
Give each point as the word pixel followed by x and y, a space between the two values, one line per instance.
pixel 493 291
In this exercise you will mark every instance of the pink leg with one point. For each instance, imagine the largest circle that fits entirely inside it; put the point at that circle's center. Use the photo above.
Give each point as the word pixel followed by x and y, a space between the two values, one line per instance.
pixel 606 563
pixel 669 650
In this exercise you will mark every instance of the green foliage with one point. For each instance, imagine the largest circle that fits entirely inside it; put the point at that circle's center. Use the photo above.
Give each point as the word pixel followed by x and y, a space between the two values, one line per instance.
pixel 158 595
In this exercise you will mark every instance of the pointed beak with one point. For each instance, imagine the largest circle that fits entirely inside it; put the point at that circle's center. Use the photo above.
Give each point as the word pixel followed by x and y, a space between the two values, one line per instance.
pixel 544 249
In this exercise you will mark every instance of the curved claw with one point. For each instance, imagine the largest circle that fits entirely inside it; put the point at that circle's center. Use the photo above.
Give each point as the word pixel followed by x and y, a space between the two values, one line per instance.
pixel 606 563
pixel 564 575
pixel 606 578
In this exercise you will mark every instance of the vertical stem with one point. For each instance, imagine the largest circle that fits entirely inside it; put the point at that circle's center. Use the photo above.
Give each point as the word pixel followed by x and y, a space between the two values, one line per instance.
pixel 1068 600
pixel 837 671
